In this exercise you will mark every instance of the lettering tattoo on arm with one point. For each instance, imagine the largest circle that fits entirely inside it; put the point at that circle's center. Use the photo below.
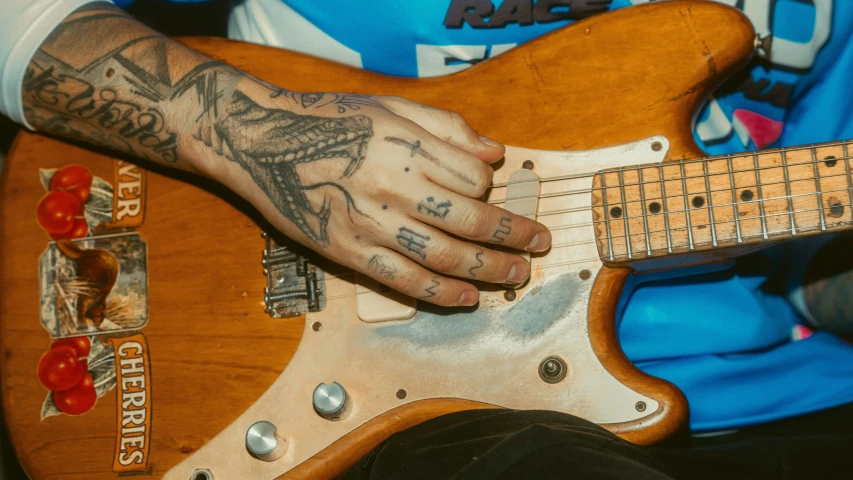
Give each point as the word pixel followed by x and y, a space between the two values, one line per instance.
pixel 436 209
pixel 416 149
pixel 413 242
pixel 382 266
pixel 503 230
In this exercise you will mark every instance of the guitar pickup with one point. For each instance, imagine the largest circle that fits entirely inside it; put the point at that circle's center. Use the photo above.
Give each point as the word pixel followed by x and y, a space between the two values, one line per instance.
pixel 295 286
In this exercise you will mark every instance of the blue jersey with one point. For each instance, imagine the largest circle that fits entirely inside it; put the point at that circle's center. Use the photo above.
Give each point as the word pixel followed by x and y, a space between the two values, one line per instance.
pixel 740 354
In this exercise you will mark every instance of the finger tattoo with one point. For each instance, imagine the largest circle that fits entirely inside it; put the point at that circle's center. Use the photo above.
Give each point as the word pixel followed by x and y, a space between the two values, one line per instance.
pixel 382 266
pixel 479 264
pixel 431 207
pixel 413 242
pixel 503 230
pixel 430 291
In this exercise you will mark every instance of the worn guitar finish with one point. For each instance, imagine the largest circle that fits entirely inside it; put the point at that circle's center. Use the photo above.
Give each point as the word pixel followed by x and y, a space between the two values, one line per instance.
pixel 615 90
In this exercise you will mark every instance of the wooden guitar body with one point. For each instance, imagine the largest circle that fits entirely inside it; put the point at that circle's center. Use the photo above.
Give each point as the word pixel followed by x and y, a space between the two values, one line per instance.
pixel 615 90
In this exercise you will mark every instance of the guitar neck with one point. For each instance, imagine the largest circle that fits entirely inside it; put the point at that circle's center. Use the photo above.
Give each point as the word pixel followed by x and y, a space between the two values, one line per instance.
pixel 723 201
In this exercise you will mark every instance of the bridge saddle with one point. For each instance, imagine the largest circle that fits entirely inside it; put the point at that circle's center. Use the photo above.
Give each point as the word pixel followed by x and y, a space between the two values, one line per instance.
pixel 295 286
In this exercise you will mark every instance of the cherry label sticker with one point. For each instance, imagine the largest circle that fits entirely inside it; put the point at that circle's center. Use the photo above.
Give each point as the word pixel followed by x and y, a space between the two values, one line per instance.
pixel 129 198
pixel 133 377
pixel 77 371
pixel 94 285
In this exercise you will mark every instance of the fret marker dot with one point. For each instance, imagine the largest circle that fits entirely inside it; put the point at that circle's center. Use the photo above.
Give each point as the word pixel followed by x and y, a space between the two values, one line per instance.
pixel 830 161
pixel 654 207
pixel 616 212
pixel 698 201
pixel 746 195
pixel 836 208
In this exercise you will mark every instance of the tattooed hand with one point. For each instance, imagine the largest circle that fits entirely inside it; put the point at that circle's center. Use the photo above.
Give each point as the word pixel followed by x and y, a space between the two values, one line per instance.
pixel 383 185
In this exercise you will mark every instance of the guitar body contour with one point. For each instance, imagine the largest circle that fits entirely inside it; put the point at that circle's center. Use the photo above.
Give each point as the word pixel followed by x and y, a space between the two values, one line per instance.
pixel 616 89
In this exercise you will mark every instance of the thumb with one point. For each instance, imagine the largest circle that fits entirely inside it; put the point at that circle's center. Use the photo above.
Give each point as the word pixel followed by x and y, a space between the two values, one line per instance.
pixel 448 126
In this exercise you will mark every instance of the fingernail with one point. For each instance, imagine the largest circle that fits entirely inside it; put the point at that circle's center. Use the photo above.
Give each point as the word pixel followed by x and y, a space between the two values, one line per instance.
pixel 539 243
pixel 468 298
pixel 488 141
pixel 517 273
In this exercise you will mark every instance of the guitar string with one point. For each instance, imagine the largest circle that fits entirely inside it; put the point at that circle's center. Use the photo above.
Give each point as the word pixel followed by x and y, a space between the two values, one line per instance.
pixel 675 196
pixel 536 267
pixel 675 245
pixel 743 155
pixel 676 178
pixel 695 209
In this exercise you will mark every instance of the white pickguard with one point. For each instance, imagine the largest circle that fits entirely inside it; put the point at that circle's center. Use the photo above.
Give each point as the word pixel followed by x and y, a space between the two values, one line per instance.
pixel 489 355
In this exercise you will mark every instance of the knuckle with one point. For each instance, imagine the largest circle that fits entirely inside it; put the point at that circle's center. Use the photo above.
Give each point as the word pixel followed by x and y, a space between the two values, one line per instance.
pixel 474 224
pixel 482 179
pixel 381 183
pixel 458 121
pixel 406 281
pixel 445 259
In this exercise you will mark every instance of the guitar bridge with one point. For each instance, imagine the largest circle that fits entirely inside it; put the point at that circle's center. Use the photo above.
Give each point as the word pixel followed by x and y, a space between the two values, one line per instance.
pixel 294 285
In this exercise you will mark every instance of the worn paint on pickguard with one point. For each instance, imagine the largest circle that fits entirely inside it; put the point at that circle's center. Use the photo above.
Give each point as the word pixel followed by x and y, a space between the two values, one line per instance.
pixel 525 320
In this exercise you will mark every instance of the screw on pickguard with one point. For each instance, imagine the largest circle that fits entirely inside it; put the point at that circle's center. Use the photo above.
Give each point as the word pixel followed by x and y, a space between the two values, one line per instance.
pixel 294 285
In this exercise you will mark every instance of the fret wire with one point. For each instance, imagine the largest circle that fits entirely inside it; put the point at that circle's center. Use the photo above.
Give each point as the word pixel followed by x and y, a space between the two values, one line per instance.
pixel 760 198
pixel 817 185
pixel 665 212
pixel 710 206
pixel 847 168
pixel 734 200
pixel 645 216
pixel 686 208
pixel 625 213
pixel 788 192
pixel 606 215
pixel 590 190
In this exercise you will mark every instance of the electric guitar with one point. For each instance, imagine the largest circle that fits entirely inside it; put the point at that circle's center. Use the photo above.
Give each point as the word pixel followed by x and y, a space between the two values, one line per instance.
pixel 202 346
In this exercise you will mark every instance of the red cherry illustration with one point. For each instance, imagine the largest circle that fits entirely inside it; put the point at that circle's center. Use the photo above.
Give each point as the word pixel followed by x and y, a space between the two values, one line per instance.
pixel 57 211
pixel 73 179
pixel 78 399
pixel 59 368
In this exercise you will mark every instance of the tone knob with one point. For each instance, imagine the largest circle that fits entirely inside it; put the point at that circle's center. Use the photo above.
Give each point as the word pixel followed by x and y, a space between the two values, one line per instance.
pixel 330 401
pixel 263 441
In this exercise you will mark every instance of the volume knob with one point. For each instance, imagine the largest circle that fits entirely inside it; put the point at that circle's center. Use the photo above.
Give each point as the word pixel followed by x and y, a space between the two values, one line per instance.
pixel 330 401
pixel 263 441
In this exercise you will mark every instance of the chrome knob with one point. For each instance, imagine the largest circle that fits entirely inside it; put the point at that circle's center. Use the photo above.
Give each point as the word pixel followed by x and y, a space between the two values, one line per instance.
pixel 263 441
pixel 330 401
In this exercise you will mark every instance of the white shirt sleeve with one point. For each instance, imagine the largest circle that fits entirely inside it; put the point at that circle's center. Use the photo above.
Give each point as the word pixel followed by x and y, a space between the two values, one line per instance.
pixel 24 25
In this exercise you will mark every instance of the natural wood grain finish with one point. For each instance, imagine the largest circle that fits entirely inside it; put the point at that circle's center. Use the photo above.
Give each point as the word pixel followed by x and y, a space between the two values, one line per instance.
pixel 673 409
pixel 610 79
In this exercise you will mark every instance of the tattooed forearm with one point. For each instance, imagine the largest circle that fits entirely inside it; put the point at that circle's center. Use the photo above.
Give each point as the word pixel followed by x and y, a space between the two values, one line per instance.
pixel 479 259
pixel 430 290
pixel 415 149
pixel 382 266
pixel 103 78
pixel 413 242
pixel 436 209
pixel 503 230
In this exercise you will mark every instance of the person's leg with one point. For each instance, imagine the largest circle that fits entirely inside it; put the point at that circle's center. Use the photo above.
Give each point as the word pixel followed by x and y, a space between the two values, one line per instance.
pixel 492 444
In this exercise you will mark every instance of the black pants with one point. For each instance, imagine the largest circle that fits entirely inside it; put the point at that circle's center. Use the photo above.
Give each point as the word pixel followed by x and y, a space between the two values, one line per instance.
pixel 507 444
